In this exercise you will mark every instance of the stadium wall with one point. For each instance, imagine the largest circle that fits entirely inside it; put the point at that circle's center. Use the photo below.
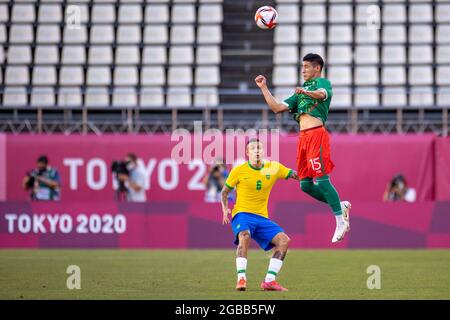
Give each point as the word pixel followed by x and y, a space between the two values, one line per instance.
pixel 189 224
pixel 364 165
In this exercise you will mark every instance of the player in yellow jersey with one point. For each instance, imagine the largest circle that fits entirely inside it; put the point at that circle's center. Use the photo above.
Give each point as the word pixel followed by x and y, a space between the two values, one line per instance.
pixel 253 181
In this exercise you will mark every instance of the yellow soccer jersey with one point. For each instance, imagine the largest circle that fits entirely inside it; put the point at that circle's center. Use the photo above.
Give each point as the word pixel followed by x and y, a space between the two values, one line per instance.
pixel 253 185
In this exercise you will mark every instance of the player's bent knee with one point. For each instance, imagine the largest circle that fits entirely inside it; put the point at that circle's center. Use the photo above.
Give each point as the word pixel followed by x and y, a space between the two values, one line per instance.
pixel 244 236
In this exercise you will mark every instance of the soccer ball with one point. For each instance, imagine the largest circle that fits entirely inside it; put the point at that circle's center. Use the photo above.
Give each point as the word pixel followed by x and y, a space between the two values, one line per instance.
pixel 266 17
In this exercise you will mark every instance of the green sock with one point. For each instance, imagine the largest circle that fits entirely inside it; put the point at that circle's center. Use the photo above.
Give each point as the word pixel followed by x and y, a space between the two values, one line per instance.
pixel 308 186
pixel 330 194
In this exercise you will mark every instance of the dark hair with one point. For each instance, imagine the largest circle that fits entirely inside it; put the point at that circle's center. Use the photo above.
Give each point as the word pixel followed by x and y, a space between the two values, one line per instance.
pixel 43 159
pixel 315 59
pixel 252 140
pixel 132 156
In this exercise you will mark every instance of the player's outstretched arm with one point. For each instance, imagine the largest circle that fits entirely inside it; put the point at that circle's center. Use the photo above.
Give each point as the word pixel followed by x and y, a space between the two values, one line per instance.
pixel 293 175
pixel 224 199
pixel 319 94
pixel 273 104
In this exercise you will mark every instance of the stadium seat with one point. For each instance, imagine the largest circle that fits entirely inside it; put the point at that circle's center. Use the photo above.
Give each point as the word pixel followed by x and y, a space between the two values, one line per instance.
pixel 420 34
pixel 15 96
pixel 129 34
pixel 340 13
pixel 2 54
pixel 340 34
pixel 179 97
pixel 96 97
pixel 183 13
pixel 420 54
pixel 362 13
pixel 421 96
pixel 181 55
pixel 282 93
pixel 342 97
pixel 442 12
pixel 48 34
pixel 17 75
pixel 42 97
pixel 420 75
pixel 366 75
pixel 156 13
pixel 366 54
pixel 313 13
pixel 21 33
pixel 393 75
pixel 153 76
pixel 210 13
pixel 443 54
pixel 339 75
pixel 288 13
pixel 207 76
pixel 126 76
pixel 285 75
pixel 100 55
pixel 443 75
pixel 156 34
pixel 71 76
pixel 209 34
pixel 73 54
pixel 312 34
pixel 182 34
pixel 366 97
pixel 394 97
pixel 420 13
pixel 208 55
pixel 124 97
pixel 285 55
pixel 102 34
pixel 46 55
pixel 19 54
pixel 179 76
pixel 443 97
pixel 50 13
pixel 339 54
pixel 155 55
pixel 393 13
pixel 103 13
pixel 4 14
pixel 312 48
pixel 365 35
pixel 44 75
pixel 286 34
pixel 443 34
pixel 23 13
pixel 206 97
pixel 130 13
pixel 69 97
pixel 2 33
pixel 127 55
pixel 151 97
pixel 395 34
pixel 393 54
pixel 98 76
pixel 75 36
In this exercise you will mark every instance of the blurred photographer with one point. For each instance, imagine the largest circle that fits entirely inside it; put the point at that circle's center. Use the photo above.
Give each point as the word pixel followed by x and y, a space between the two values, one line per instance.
pixel 398 190
pixel 214 181
pixel 43 182
pixel 130 178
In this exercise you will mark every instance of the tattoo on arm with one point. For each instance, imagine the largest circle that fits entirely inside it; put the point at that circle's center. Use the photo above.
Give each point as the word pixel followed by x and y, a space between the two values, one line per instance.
pixel 224 195
pixel 294 175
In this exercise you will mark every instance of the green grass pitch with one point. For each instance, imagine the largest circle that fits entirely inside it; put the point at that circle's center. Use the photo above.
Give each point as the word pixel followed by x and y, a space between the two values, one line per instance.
pixel 210 274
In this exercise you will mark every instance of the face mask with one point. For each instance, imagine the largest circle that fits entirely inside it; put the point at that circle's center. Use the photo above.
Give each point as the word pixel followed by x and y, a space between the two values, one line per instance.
pixel 130 166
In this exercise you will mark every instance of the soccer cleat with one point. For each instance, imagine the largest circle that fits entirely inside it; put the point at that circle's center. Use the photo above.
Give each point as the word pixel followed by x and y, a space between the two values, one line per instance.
pixel 343 228
pixel 241 285
pixel 272 286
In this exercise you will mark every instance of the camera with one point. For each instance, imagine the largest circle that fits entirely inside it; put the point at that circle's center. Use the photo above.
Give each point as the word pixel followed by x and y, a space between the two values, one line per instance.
pixel 32 177
pixel 120 167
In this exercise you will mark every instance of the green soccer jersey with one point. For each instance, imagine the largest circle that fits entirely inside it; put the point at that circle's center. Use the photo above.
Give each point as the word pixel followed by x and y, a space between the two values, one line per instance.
pixel 301 103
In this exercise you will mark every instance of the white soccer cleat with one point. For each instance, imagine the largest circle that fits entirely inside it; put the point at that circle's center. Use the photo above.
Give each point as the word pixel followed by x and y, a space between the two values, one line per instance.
pixel 344 227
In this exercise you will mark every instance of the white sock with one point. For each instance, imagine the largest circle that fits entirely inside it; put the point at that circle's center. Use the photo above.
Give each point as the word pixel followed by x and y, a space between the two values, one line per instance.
pixel 340 219
pixel 274 268
pixel 241 267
